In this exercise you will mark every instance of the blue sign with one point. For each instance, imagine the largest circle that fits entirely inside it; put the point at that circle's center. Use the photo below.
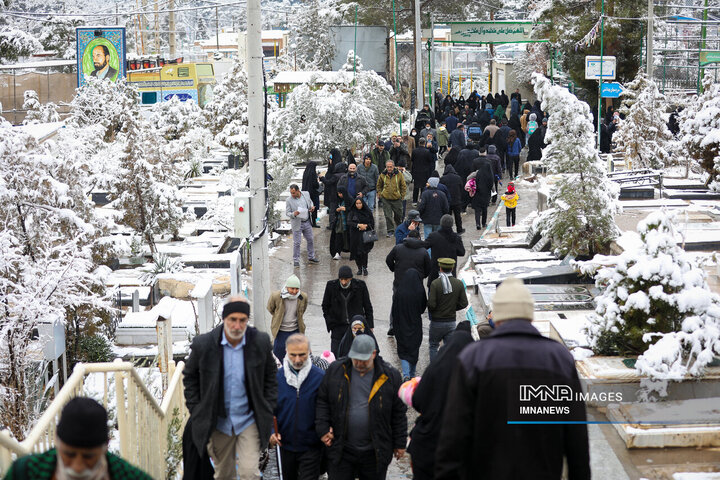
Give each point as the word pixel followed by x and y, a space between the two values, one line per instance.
pixel 182 96
pixel 611 90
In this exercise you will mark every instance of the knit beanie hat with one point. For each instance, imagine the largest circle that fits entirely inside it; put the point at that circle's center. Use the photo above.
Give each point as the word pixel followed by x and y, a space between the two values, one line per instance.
pixel 292 282
pixel 446 221
pixel 345 272
pixel 83 423
pixel 512 300
pixel 433 181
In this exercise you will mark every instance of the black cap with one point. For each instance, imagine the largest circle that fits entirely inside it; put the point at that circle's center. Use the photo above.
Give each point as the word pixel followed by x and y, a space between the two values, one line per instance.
pixel 83 423
pixel 345 272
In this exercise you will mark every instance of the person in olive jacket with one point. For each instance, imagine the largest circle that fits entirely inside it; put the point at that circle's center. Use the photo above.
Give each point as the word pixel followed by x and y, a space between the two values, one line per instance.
pixel 231 391
pixel 359 416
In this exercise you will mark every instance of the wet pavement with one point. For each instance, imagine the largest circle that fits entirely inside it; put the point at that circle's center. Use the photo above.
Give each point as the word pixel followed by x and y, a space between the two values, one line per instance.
pixel 379 281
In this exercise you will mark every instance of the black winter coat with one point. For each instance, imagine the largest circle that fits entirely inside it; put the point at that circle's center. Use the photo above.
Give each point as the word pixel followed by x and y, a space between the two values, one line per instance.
pixel 495 164
pixel 484 393
pixel 429 401
pixel 203 380
pixel 464 164
pixel 454 184
pixel 354 218
pixel 361 184
pixel 388 420
pixel 484 182
pixel 408 304
pixel 433 204
pixel 409 254
pixel 423 164
pixel 333 306
pixel 451 156
pixel 444 243
pixel 310 182
pixel 536 143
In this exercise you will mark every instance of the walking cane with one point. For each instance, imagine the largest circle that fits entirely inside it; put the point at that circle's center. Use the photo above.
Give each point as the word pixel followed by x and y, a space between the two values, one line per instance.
pixel 277 450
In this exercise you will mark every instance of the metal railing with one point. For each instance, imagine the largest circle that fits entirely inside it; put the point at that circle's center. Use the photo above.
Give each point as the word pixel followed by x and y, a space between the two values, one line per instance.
pixel 142 423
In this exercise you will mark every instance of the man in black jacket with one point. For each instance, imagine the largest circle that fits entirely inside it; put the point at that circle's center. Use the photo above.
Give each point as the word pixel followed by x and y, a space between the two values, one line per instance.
pixel 359 416
pixel 343 299
pixel 488 390
pixel 444 244
pixel 231 391
pixel 423 163
pixel 456 187
pixel 355 184
pixel 409 254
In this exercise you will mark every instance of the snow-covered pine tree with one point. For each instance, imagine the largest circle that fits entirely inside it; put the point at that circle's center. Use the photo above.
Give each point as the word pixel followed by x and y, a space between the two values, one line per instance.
pixel 100 102
pixel 582 204
pixel 656 302
pixel 226 114
pixel 36 111
pixel 146 190
pixel 315 120
pixel 311 37
pixel 48 269
pixel 643 135
pixel 630 93
pixel 700 131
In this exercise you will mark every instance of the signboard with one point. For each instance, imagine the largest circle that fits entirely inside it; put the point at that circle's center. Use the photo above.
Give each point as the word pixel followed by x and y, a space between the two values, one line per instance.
pixel 592 67
pixel 708 57
pixel 611 90
pixel 491 32
pixel 100 53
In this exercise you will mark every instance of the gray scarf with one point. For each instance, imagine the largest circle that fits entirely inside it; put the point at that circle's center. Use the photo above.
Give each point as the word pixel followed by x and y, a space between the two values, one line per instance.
pixel 445 279
pixel 286 295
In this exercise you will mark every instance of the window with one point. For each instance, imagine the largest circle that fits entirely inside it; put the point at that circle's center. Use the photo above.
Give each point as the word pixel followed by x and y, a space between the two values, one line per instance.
pixel 204 70
pixel 148 98
pixel 183 72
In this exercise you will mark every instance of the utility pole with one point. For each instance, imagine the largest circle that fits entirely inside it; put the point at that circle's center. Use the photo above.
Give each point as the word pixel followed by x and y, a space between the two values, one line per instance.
pixel 600 82
pixel 157 28
pixel 143 26
pixel 217 27
pixel 649 55
pixel 258 171
pixel 171 24
pixel 419 90
pixel 703 36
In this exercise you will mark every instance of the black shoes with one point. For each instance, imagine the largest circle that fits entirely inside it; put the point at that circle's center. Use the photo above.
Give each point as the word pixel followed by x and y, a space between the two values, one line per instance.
pixel 391 333
pixel 314 260
pixel 364 271
pixel 359 272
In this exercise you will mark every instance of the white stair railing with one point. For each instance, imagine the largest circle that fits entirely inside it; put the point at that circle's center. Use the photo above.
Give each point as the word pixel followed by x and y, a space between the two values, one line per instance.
pixel 142 423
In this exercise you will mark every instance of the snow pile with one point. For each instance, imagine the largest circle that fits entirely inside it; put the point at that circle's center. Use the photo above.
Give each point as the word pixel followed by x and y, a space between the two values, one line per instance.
pixel 656 303
pixel 583 201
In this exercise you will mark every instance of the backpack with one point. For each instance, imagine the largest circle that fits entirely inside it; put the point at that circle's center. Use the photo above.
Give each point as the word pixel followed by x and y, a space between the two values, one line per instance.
pixel 475 132
pixel 532 126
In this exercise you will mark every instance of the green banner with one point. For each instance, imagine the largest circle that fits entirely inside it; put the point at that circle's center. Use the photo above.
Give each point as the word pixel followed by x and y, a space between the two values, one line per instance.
pixel 491 32
pixel 708 57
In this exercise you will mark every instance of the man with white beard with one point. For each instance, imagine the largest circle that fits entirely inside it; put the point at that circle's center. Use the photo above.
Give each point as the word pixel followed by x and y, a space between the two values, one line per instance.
pixel 298 384
pixel 81 449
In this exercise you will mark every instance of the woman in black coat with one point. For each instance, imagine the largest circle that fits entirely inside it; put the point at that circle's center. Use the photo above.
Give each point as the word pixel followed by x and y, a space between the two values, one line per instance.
pixel 409 303
pixel 311 185
pixel 358 326
pixel 536 143
pixel 360 219
pixel 429 401
pixel 484 181
pixel 339 235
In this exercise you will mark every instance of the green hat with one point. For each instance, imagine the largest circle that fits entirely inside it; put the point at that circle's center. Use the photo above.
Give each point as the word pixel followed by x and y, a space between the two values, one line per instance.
pixel 292 282
pixel 446 262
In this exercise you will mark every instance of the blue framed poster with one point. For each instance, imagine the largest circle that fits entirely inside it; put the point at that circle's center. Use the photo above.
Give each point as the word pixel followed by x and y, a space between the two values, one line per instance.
pixel 100 53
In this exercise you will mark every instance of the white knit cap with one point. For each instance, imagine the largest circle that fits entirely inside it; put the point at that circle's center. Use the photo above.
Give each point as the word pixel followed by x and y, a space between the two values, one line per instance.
pixel 512 300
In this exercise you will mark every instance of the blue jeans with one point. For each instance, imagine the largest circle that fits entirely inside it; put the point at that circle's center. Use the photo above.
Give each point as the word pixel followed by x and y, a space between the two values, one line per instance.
pixel 370 199
pixel 428 229
pixel 439 331
pixel 408 369
pixel 279 344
